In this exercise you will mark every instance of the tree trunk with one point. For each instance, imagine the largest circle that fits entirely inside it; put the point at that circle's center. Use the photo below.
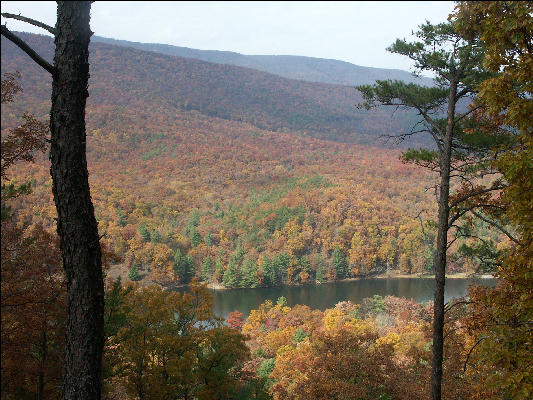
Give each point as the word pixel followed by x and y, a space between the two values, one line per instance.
pixel 44 356
pixel 76 224
pixel 442 246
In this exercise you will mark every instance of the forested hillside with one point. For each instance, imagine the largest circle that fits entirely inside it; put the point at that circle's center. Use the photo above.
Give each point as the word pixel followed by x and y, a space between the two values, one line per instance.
pixel 182 189
pixel 132 78
pixel 294 67
pixel 206 175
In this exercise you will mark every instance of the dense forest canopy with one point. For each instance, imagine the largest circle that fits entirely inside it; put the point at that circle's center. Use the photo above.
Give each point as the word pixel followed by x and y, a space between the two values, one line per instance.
pixel 182 191
pixel 218 175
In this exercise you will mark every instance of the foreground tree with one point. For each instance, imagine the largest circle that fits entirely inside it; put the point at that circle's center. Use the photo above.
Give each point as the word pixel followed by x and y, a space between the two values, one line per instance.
pixel 32 287
pixel 76 223
pixel 501 317
pixel 456 64
pixel 166 345
pixel 19 144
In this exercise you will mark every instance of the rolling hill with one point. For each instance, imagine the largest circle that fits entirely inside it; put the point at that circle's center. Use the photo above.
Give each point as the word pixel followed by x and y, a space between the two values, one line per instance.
pixel 310 69
pixel 127 77
pixel 217 169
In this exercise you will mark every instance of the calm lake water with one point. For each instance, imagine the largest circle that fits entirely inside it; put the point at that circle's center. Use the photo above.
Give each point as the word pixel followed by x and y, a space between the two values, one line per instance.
pixel 327 295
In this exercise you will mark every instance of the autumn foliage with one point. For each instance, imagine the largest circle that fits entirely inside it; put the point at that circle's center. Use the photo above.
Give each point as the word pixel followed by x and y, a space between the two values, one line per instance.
pixel 235 189
pixel 380 348
pixel 182 192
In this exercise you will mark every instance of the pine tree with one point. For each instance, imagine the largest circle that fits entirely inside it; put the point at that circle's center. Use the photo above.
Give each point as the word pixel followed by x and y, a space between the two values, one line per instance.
pixel 183 266
pixel 209 239
pixel 156 237
pixel 76 223
pixel 340 263
pixel 280 263
pixel 231 275
pixel 268 271
pixel 195 237
pixel 145 234
pixel 456 64
pixel 134 272
pixel 320 273
pixel 207 269
pixel 248 273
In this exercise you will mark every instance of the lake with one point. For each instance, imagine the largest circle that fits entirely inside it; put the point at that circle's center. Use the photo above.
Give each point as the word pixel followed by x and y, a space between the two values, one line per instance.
pixel 327 295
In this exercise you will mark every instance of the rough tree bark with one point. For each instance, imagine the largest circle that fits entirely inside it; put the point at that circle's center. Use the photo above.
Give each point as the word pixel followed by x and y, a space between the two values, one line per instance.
pixel 76 223
pixel 442 247
pixel 457 65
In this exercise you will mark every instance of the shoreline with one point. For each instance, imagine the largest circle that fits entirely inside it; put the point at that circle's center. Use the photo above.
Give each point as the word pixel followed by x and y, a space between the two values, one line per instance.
pixel 458 275
pixel 116 271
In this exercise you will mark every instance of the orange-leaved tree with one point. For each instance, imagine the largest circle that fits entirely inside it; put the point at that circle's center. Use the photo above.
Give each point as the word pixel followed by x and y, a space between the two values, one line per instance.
pixel 33 287
pixel 502 317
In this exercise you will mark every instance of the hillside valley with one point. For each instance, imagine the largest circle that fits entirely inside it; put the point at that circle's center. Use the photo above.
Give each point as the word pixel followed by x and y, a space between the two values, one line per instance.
pixel 184 224
pixel 128 77
pixel 236 176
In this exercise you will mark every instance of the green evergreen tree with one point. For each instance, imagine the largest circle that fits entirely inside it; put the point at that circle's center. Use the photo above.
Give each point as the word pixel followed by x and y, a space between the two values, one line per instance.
pixel 219 266
pixel 190 263
pixel 209 239
pixel 268 271
pixel 248 273
pixel 340 263
pixel 280 264
pixel 145 234
pixel 238 255
pixel 218 275
pixel 195 237
pixel 192 222
pixel 134 272
pixel 304 263
pixel 320 273
pixel 231 275
pixel 122 219
pixel 207 269
pixel 156 237
pixel 183 266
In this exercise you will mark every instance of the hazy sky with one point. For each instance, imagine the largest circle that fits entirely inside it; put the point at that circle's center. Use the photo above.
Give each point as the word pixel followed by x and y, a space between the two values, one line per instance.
pixel 357 32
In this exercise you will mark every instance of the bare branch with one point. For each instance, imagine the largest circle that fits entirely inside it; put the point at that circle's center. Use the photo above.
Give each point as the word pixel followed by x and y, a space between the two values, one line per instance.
pixel 470 195
pixel 449 306
pixel 499 227
pixel 27 49
pixel 451 242
pixel 467 113
pixel 459 214
pixel 471 350
pixel 30 21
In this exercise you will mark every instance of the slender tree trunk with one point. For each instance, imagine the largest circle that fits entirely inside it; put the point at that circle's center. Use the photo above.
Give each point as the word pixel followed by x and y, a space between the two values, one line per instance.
pixel 76 224
pixel 44 355
pixel 442 245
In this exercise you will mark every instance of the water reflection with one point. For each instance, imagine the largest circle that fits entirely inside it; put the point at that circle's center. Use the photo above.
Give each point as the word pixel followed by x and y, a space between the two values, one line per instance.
pixel 328 294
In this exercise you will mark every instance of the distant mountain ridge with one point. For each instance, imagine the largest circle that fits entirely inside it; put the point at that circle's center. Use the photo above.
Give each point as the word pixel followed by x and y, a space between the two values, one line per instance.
pixel 309 69
pixel 136 79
